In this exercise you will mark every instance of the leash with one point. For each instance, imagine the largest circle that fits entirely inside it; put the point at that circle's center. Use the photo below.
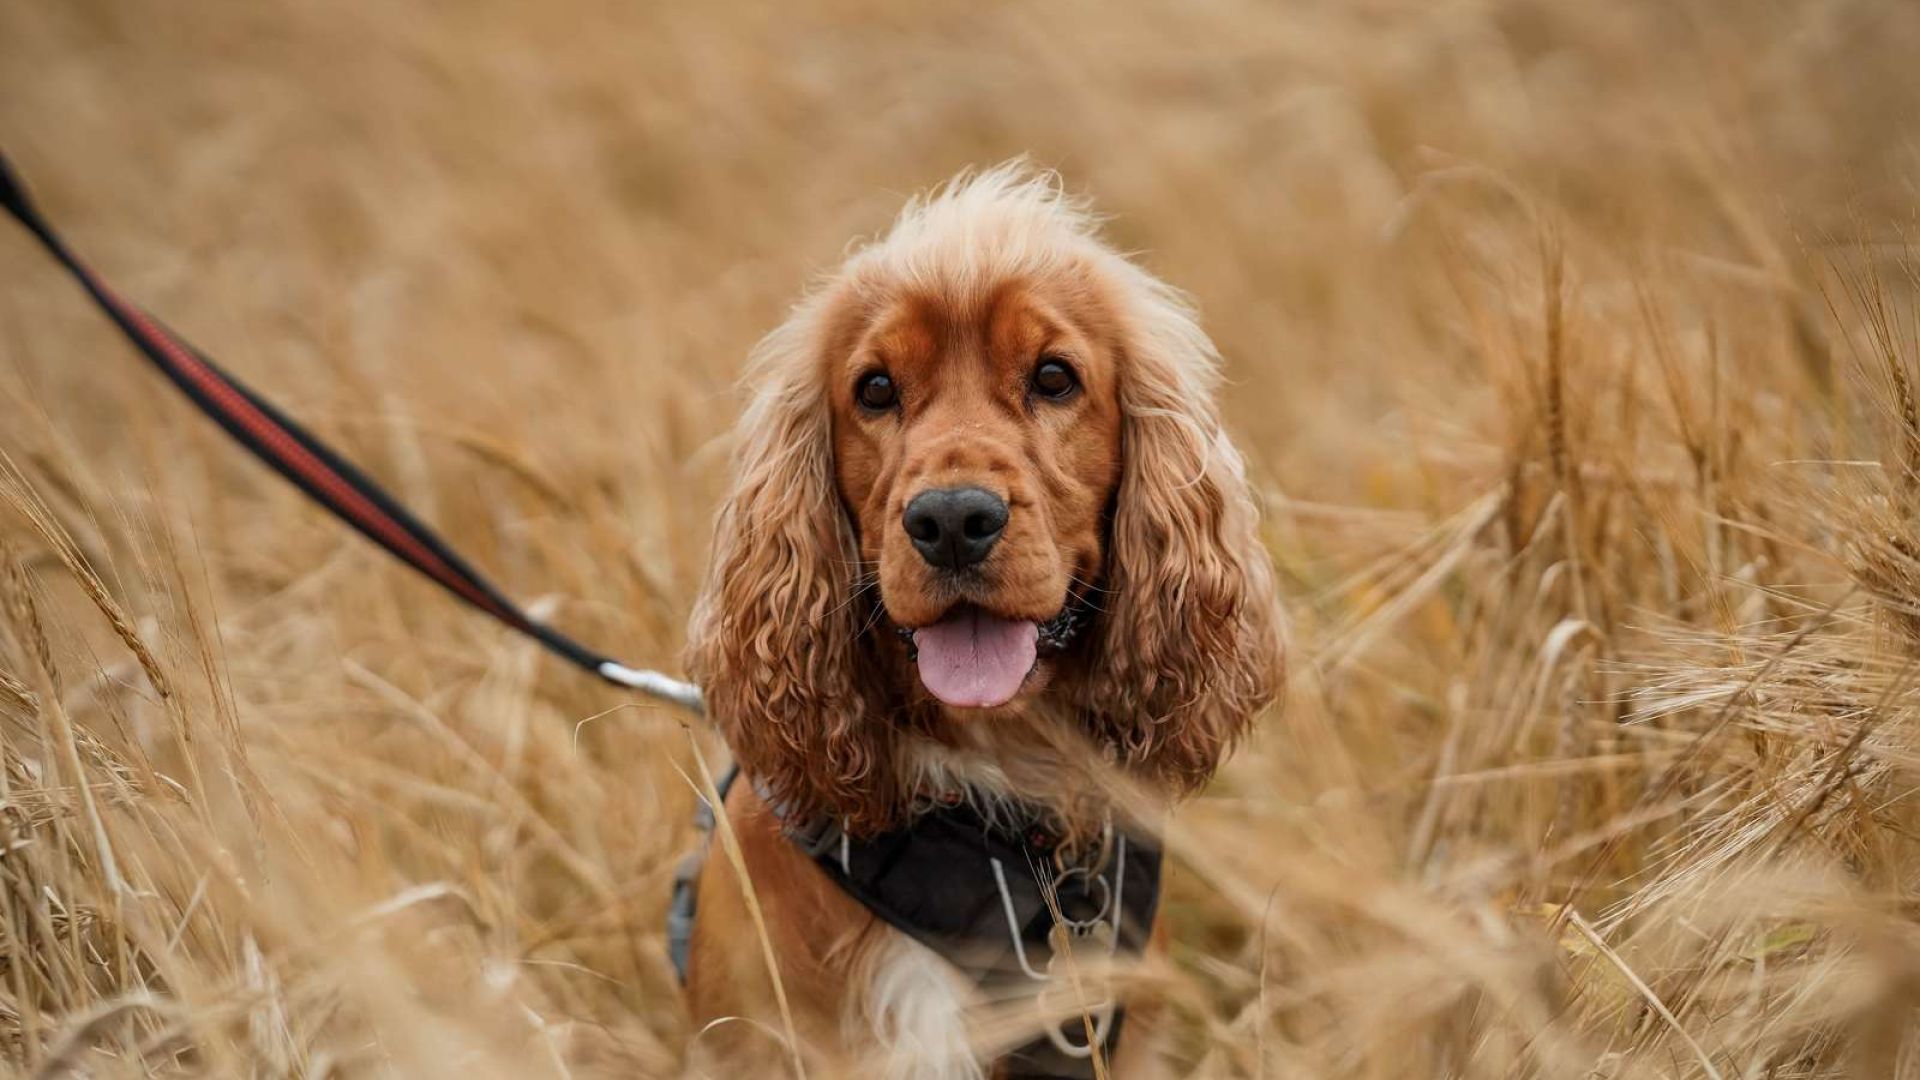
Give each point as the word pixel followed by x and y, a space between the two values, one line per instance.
pixel 317 469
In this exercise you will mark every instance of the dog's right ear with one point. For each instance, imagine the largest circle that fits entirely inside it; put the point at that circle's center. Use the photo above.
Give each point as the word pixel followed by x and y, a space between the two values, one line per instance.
pixel 775 638
pixel 1190 643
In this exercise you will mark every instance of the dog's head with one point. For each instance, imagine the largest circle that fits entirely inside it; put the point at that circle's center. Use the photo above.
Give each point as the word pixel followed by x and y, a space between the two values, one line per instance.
pixel 991 431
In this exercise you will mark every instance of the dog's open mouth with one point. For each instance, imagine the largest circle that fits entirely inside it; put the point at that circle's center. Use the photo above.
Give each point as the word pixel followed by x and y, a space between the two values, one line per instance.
pixel 974 659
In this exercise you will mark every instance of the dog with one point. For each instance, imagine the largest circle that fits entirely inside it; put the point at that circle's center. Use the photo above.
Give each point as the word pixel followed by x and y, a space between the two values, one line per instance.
pixel 987 550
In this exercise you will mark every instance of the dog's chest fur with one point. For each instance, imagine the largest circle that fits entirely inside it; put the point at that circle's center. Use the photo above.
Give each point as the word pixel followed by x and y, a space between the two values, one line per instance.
pixel 912 1009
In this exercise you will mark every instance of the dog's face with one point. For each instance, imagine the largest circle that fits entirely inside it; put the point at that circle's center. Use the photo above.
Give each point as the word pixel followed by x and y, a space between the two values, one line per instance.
pixel 980 420
pixel 977 449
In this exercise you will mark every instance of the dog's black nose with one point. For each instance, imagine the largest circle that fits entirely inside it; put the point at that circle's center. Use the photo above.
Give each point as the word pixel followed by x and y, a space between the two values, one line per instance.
pixel 954 528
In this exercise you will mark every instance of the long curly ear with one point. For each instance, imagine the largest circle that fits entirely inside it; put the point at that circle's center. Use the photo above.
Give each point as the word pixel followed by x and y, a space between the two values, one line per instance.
pixel 1190 643
pixel 775 633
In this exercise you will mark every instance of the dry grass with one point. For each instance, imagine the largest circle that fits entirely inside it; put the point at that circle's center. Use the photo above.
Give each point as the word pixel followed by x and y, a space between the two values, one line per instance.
pixel 1574 343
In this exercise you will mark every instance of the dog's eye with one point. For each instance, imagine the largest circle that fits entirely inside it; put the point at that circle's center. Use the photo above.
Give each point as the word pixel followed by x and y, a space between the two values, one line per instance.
pixel 1054 379
pixel 876 391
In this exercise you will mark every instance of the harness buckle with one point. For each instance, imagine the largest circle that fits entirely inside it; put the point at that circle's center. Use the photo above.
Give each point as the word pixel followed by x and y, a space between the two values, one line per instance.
pixel 816 837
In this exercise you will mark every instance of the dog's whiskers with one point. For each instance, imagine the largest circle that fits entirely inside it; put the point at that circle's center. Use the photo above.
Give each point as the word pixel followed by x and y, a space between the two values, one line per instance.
pixel 865 586
pixel 1091 588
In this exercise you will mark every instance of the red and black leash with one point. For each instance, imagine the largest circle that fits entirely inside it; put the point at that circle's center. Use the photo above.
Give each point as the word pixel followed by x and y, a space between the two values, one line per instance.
pixel 315 468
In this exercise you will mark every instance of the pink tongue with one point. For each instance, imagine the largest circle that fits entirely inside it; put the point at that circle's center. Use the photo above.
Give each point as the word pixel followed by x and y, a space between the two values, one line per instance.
pixel 974 660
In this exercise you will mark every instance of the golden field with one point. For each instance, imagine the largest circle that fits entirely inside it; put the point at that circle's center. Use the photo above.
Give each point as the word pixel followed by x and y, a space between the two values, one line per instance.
pixel 1573 346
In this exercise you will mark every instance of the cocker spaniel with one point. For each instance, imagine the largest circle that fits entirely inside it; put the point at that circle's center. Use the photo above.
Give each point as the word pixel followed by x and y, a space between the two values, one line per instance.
pixel 987 554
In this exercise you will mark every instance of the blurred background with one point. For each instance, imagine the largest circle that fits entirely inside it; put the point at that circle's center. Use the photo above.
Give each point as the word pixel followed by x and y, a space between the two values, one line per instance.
pixel 1571 345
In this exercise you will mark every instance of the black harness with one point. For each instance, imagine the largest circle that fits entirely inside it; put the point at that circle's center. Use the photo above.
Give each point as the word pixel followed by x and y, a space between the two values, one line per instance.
pixel 976 891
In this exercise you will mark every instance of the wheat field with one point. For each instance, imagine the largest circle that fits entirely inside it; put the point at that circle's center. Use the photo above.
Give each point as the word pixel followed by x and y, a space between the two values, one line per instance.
pixel 1573 346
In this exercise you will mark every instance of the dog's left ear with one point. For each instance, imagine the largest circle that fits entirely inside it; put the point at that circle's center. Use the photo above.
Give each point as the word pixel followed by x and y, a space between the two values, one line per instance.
pixel 1190 645
pixel 776 636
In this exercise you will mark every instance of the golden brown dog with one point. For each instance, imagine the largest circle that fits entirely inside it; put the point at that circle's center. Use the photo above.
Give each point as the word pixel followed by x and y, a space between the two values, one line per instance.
pixel 979 421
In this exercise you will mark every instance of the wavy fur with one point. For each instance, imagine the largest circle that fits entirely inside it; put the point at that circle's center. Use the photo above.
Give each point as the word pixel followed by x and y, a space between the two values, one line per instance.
pixel 1187 646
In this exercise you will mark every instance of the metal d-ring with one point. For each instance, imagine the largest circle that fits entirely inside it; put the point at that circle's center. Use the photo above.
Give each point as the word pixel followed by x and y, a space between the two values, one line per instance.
pixel 1102 1017
pixel 1106 896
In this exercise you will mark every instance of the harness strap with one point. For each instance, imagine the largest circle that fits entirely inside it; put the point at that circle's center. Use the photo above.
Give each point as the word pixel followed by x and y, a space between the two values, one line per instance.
pixel 316 468
pixel 983 898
